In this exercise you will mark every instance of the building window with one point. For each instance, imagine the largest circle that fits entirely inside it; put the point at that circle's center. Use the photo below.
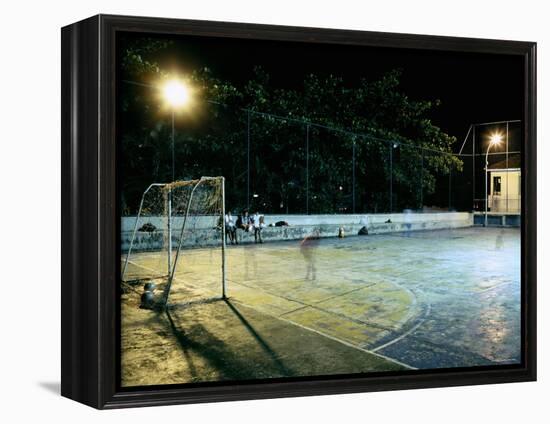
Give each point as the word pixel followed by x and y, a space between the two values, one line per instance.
pixel 496 185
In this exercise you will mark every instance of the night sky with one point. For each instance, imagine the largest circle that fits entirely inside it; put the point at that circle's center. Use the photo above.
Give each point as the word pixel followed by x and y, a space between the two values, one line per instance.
pixel 472 87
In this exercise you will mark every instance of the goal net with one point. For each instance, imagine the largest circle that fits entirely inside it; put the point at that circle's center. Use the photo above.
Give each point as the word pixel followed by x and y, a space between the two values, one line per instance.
pixel 176 241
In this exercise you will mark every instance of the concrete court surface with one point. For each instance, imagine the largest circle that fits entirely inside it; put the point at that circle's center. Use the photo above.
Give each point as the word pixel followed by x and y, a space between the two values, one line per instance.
pixel 432 299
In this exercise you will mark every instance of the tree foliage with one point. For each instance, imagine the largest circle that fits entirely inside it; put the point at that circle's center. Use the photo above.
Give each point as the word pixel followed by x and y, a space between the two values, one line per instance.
pixel 307 144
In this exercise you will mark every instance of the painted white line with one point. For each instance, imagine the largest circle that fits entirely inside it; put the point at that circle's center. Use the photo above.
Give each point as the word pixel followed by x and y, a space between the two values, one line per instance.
pixel 493 287
pixel 313 305
pixel 402 336
pixel 142 266
pixel 395 361
pixel 372 352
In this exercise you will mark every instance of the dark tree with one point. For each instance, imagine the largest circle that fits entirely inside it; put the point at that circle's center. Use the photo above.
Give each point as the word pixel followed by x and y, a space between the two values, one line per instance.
pixel 302 140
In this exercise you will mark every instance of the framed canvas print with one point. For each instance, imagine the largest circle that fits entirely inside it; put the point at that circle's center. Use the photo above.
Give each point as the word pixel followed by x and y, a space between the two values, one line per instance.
pixel 256 211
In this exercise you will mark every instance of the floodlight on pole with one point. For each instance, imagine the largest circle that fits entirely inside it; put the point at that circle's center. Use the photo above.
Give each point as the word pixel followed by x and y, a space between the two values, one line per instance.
pixel 494 140
pixel 177 95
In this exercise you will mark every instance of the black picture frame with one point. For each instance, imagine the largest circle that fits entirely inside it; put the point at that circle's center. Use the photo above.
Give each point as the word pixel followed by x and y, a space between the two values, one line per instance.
pixel 89 216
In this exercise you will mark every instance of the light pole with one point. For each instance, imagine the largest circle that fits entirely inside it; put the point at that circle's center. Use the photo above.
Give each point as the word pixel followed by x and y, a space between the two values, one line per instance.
pixel 176 95
pixel 494 140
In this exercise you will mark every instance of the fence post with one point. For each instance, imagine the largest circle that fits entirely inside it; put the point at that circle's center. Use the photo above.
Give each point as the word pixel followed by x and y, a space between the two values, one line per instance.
pixel 450 185
pixel 224 287
pixel 353 176
pixel 307 169
pixel 473 168
pixel 421 178
pixel 391 177
pixel 248 160
pixel 507 167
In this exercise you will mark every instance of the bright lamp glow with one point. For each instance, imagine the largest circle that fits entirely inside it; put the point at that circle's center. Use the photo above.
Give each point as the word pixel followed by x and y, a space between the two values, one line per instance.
pixel 496 138
pixel 176 93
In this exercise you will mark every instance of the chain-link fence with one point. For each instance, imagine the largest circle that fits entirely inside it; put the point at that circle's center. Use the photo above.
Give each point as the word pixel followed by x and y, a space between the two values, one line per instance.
pixel 281 165
pixel 491 152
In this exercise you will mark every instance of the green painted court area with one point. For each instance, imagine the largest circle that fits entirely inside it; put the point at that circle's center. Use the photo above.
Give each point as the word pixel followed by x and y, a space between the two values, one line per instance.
pixel 418 300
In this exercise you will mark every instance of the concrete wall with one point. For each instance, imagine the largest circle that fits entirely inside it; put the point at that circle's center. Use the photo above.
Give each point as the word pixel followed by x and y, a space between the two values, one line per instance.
pixel 498 219
pixel 300 226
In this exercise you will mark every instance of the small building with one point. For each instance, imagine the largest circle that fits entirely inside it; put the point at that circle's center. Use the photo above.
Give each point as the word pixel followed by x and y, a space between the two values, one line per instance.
pixel 505 186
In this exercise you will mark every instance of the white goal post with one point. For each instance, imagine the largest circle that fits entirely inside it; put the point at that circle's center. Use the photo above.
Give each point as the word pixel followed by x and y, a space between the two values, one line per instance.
pixel 174 217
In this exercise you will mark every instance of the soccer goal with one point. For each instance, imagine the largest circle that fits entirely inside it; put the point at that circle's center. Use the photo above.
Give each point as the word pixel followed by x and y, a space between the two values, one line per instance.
pixel 177 241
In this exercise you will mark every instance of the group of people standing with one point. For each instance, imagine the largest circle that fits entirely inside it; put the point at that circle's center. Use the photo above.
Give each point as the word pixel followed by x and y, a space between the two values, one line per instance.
pixel 246 223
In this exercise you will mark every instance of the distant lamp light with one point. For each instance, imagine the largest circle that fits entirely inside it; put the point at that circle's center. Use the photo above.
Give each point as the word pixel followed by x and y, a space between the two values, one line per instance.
pixel 176 93
pixel 496 138
pixel 340 188
pixel 255 195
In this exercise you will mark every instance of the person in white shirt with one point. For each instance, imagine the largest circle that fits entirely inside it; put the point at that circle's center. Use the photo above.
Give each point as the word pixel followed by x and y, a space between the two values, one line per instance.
pixel 230 229
pixel 258 225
